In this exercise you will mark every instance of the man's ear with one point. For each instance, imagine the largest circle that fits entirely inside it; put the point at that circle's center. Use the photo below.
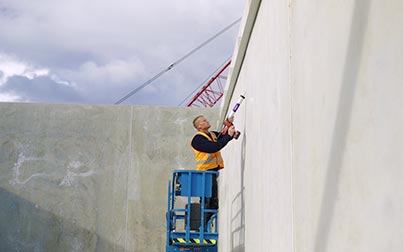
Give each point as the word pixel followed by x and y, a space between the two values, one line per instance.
pixel 197 125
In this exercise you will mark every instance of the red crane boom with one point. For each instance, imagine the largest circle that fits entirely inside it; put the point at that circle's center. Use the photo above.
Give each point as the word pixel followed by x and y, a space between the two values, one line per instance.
pixel 212 92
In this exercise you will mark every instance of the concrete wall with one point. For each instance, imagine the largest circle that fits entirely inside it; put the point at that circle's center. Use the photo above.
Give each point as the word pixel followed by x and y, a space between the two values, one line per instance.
pixel 89 178
pixel 318 166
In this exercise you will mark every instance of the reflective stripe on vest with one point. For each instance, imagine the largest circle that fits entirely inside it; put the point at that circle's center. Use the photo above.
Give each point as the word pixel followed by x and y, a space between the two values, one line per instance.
pixel 208 161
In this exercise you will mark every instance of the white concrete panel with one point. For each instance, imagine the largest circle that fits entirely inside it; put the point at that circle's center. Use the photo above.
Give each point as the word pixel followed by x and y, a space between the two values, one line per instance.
pixel 343 188
pixel 255 203
pixel 318 166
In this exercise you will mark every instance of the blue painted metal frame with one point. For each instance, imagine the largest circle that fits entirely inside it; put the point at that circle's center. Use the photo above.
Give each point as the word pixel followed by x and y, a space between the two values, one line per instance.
pixel 190 183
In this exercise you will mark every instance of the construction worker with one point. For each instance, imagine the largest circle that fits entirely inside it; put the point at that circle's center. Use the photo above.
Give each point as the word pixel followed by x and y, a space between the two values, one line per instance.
pixel 206 146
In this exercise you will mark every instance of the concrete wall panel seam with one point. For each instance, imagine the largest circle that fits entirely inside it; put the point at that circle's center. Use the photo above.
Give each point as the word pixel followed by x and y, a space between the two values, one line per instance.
pixel 130 167
pixel 291 88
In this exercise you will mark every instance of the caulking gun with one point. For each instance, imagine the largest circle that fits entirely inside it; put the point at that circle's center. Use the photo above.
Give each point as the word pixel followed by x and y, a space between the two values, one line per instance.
pixel 227 123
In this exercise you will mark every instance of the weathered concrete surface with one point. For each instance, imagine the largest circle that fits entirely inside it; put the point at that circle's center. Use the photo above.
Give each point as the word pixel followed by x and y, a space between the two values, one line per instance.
pixel 318 166
pixel 89 178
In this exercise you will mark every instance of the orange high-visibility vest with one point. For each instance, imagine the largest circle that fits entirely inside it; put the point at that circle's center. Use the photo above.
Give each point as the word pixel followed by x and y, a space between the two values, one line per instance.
pixel 207 161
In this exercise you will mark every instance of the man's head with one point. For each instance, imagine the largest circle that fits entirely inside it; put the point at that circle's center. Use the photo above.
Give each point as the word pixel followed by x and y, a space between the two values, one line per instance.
pixel 201 123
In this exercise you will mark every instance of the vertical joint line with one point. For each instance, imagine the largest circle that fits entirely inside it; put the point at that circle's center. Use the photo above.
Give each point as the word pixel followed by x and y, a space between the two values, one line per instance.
pixel 290 82
pixel 127 177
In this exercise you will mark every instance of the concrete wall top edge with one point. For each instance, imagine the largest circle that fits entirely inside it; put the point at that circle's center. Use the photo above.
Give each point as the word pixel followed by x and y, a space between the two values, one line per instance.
pixel 101 105
pixel 248 22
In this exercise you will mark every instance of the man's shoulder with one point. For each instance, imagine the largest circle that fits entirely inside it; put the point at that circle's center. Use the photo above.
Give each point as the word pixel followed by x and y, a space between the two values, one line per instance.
pixel 197 139
pixel 202 134
pixel 198 136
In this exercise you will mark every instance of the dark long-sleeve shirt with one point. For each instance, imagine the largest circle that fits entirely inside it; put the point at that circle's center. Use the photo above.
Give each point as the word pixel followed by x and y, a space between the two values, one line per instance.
pixel 201 143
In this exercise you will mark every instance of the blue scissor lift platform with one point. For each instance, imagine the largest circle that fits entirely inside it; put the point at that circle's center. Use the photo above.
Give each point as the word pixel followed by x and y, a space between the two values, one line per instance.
pixel 187 193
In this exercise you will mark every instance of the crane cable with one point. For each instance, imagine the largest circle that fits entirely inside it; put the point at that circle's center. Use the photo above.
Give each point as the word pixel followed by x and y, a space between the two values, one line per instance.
pixel 175 63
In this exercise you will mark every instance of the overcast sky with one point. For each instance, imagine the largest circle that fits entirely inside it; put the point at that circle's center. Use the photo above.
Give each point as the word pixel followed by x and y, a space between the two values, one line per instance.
pixel 97 51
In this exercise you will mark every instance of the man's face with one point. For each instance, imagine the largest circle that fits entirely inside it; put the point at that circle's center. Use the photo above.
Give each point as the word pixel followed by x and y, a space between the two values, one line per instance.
pixel 202 123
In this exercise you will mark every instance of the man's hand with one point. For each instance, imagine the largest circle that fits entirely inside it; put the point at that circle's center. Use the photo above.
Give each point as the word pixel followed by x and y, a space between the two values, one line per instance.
pixel 231 130
pixel 230 119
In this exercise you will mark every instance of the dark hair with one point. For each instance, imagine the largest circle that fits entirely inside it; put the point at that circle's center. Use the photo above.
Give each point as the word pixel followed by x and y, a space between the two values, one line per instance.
pixel 194 120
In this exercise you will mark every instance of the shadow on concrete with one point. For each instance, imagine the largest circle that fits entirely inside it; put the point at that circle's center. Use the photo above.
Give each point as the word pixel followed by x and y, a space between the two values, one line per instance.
pixel 25 227
pixel 238 203
pixel 342 123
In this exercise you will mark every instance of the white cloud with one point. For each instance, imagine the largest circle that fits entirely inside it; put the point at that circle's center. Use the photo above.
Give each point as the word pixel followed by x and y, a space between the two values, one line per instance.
pixel 25 78
pixel 7 97
pixel 10 66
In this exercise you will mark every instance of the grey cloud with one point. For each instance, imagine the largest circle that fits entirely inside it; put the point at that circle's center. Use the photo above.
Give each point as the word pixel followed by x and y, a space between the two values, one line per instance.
pixel 41 89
